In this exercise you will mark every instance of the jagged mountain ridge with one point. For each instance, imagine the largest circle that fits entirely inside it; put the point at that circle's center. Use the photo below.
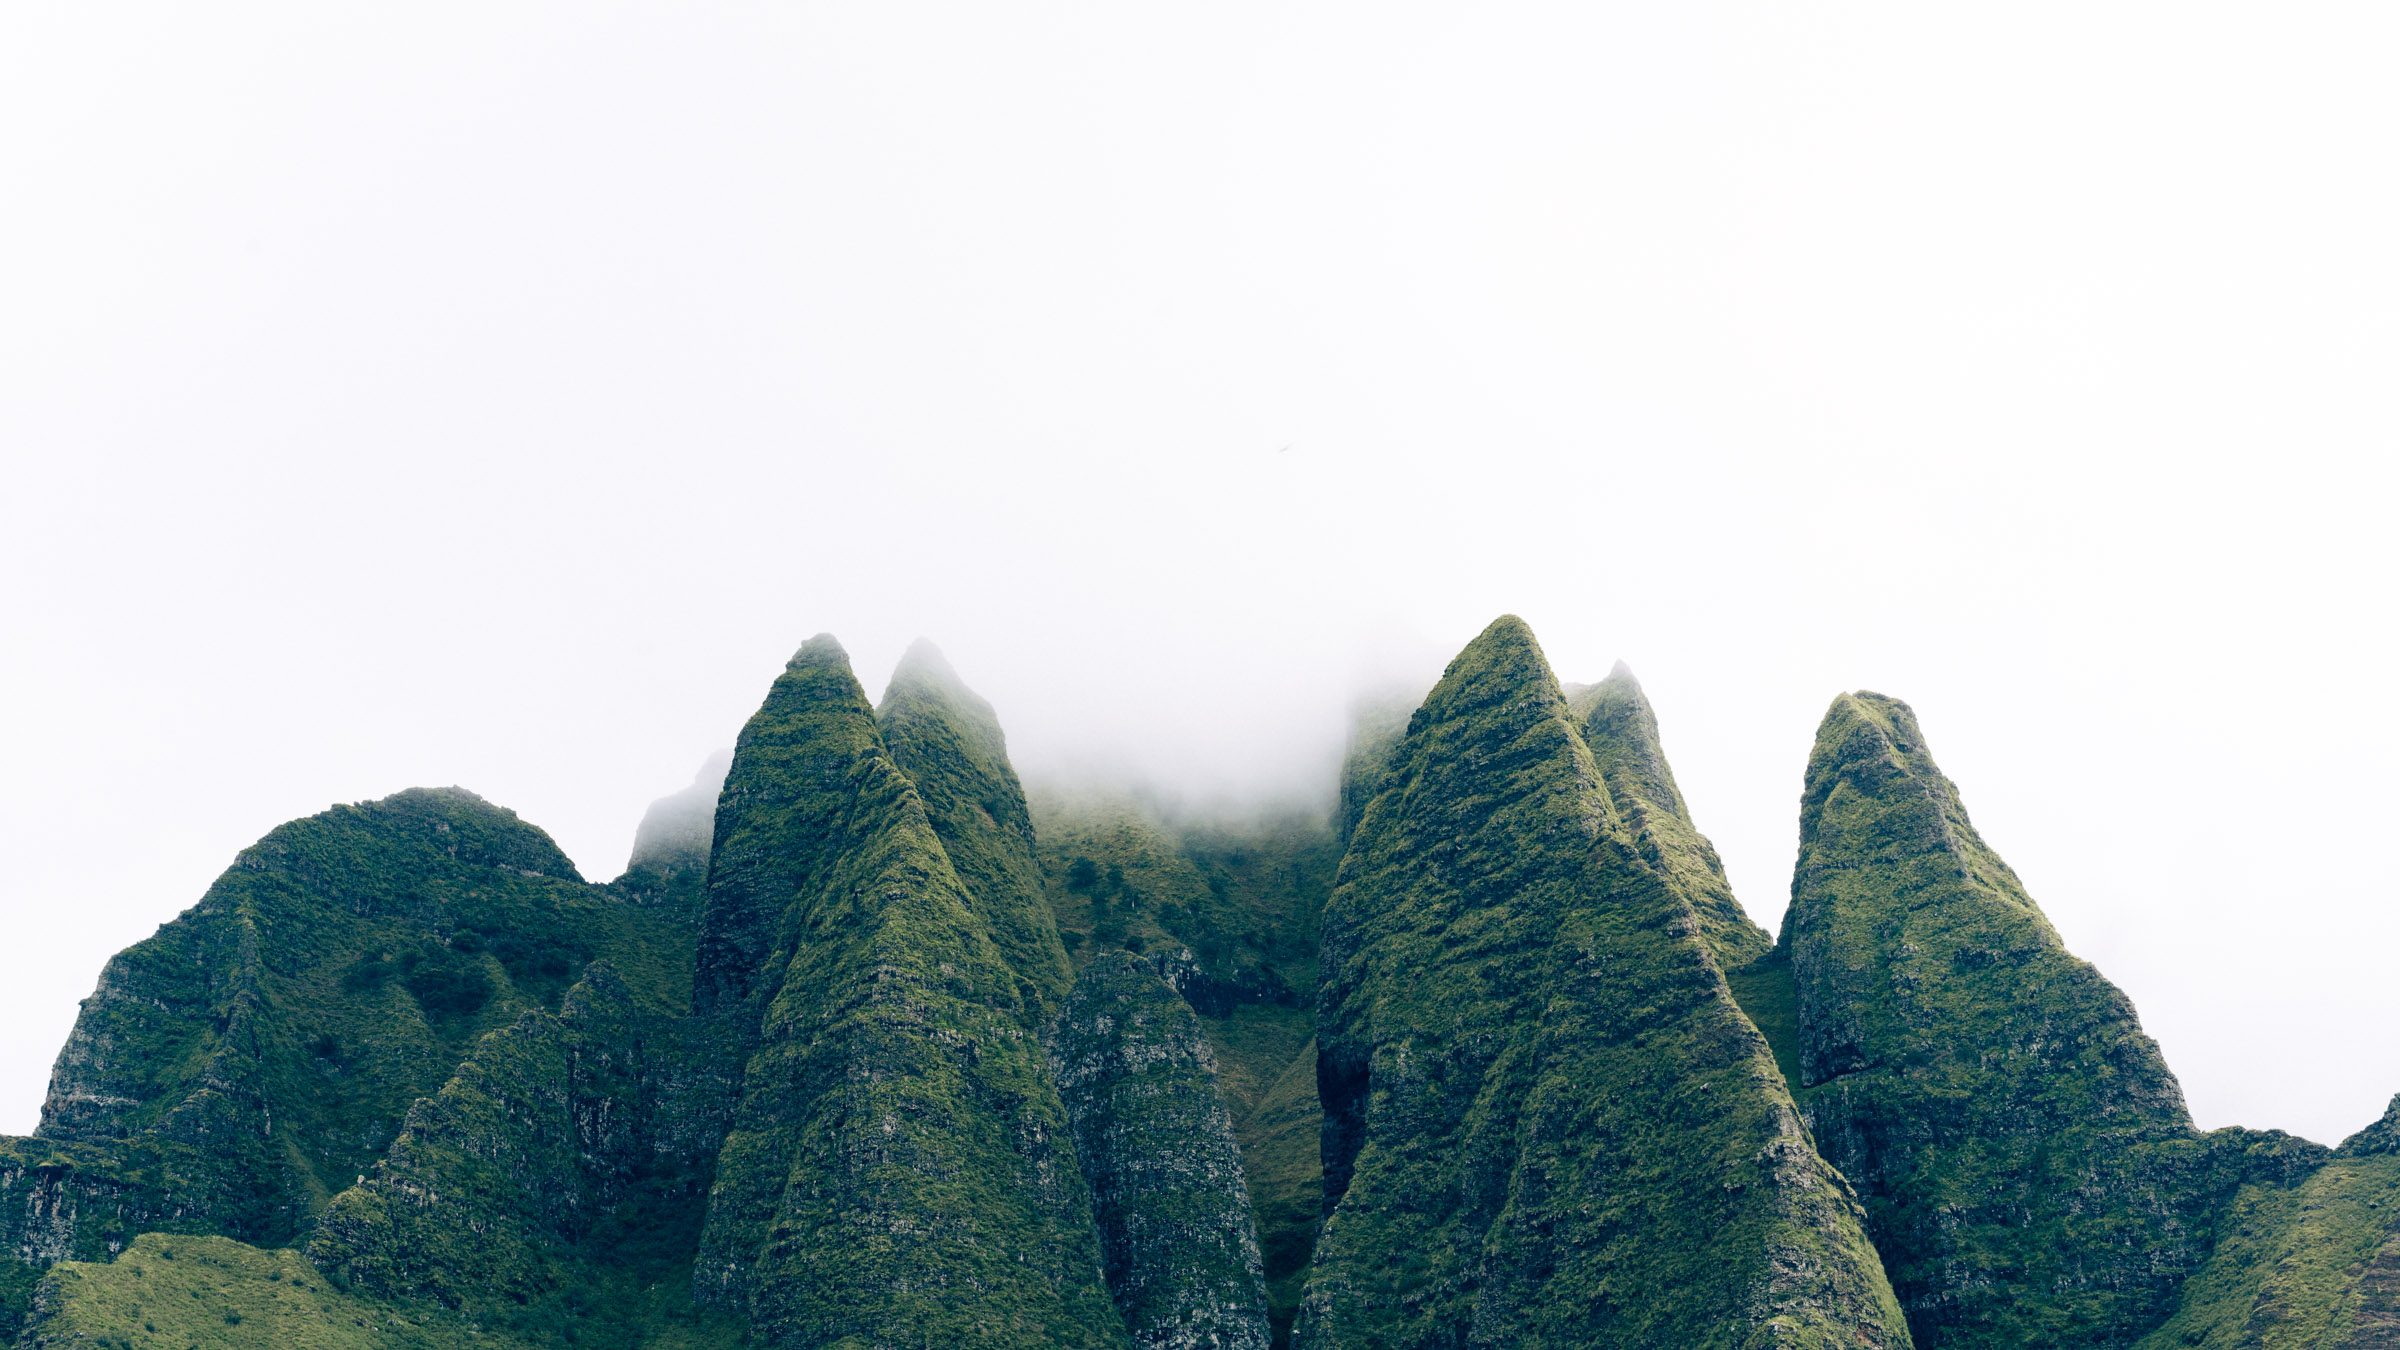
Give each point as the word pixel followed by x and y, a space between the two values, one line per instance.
pixel 832 1079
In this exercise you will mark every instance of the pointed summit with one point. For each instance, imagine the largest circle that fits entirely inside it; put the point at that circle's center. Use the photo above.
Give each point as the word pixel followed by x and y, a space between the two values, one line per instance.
pixel 1546 1121
pixel 948 741
pixel 2030 1174
pixel 1622 731
pixel 897 1168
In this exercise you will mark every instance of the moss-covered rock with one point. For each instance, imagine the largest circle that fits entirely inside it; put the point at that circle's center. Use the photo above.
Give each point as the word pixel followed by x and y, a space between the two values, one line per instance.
pixel 898 1169
pixel 1176 1237
pixel 1621 731
pixel 2305 1266
pixel 1547 1122
pixel 948 741
pixel 232 1072
pixel 2027 1164
pixel 546 1188
pixel 1225 907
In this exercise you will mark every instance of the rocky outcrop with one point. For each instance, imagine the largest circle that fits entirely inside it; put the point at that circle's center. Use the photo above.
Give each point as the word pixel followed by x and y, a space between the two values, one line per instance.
pixel 948 741
pixel 898 1167
pixel 1156 1144
pixel 2028 1168
pixel 1546 1121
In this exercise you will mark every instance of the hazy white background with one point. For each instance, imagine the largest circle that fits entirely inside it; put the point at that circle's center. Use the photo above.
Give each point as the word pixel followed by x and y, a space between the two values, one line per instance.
pixel 496 395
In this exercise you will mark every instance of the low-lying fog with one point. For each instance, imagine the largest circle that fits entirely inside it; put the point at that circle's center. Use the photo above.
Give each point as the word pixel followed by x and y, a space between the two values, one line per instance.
pixel 499 397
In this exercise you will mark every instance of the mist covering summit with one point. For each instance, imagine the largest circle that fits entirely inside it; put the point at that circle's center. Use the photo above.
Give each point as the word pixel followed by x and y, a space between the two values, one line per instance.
pixel 867 1048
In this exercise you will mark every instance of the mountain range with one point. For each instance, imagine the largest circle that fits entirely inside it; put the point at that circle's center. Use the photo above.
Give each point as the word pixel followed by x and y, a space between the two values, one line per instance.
pixel 871 1048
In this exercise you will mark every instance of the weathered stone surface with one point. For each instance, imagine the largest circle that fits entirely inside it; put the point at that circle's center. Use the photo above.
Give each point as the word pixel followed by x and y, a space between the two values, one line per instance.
pixel 948 741
pixel 898 1168
pixel 1547 1123
pixel 2029 1171
pixel 1155 1142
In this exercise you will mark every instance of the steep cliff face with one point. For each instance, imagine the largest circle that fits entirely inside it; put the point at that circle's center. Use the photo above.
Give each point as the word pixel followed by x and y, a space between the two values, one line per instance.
pixel 2307 1266
pixel 1226 909
pixel 231 1072
pixel 898 1167
pixel 2029 1170
pixel 1155 1142
pixel 948 741
pixel 1547 1123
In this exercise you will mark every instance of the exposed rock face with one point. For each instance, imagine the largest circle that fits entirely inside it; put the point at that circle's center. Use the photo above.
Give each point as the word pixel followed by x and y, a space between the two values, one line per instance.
pixel 1547 1123
pixel 2030 1173
pixel 948 742
pixel 898 1168
pixel 669 863
pixel 1176 1239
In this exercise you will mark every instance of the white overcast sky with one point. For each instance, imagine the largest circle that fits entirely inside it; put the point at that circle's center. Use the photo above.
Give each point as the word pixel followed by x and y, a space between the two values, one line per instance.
pixel 496 394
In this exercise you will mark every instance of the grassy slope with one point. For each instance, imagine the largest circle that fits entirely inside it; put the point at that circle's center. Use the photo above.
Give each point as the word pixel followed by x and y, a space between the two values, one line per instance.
pixel 2306 1267
pixel 183 1292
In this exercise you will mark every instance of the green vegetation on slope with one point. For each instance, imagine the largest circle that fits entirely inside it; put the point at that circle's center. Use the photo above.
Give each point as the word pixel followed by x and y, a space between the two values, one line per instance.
pixel 1622 733
pixel 1279 1138
pixel 546 1188
pixel 1227 910
pixel 2304 1267
pixel 898 1167
pixel 185 1292
pixel 1547 1123
pixel 948 741
pixel 1177 1243
pixel 2029 1171
pixel 231 1072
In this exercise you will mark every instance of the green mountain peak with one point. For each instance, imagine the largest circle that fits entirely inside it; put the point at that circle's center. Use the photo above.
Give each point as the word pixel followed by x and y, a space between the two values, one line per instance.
pixel 1527 1054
